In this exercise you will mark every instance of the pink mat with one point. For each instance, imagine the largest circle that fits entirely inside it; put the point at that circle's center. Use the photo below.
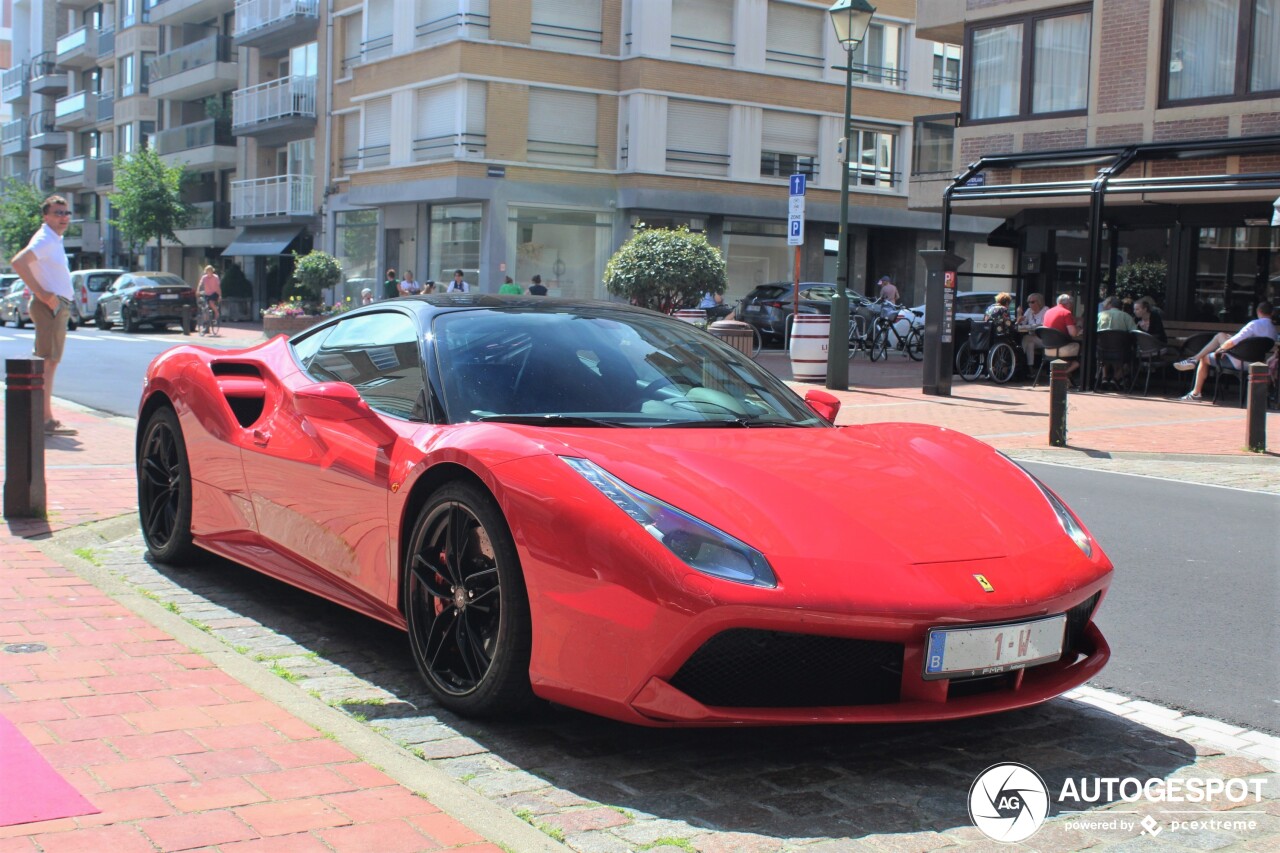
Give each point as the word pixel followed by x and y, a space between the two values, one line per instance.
pixel 30 789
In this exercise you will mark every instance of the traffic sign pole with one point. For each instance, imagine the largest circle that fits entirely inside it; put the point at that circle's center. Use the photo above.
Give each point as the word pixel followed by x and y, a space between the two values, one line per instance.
pixel 795 235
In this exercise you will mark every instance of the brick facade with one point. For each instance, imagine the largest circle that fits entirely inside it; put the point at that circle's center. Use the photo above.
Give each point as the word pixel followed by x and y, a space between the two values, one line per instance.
pixel 1259 124
pixel 1118 134
pixel 1053 174
pixel 1122 81
pixel 1177 168
pixel 976 146
pixel 1195 128
pixel 1055 140
pixel 1260 163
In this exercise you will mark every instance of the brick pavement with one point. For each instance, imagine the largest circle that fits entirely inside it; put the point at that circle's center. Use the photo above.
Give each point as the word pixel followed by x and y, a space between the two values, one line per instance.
pixel 181 744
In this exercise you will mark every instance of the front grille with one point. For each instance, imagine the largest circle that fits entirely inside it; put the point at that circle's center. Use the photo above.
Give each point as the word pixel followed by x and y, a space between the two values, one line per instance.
pixel 746 668
pixel 1077 619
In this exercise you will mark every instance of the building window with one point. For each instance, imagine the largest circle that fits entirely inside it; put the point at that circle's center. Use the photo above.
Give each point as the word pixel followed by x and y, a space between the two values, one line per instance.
pixel 793 40
pixel 562 128
pixel 357 242
pixel 878 58
pixel 127 75
pixel 1051 51
pixel 1206 58
pixel 567 25
pixel 350 157
pixel 352 39
pixel 449 121
pixel 946 67
pixel 376 150
pixel 873 159
pixel 438 21
pixel 702 31
pixel 697 137
pixel 567 248
pixel 933 144
pixel 455 241
pixel 788 145
pixel 379 25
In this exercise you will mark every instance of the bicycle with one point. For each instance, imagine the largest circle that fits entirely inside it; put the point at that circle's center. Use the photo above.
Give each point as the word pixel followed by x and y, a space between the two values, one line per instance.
pixel 981 355
pixel 862 314
pixel 210 318
pixel 912 343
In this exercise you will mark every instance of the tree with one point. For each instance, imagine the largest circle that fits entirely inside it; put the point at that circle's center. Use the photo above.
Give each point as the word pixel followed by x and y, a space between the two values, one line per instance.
pixel 19 216
pixel 148 201
pixel 664 268
pixel 313 272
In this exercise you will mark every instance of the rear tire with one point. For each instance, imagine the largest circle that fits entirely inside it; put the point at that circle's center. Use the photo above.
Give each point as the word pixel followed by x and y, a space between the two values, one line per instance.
pixel 164 490
pixel 1002 361
pixel 127 321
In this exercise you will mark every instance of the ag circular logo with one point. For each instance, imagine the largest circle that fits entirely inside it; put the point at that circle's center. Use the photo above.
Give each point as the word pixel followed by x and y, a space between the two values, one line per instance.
pixel 1008 802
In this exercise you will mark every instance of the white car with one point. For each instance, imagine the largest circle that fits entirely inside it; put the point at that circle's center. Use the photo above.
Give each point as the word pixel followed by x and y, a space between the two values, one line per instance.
pixel 88 287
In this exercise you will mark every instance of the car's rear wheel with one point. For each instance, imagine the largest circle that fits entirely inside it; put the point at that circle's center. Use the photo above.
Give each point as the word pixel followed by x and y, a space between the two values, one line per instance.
pixel 101 319
pixel 164 490
pixel 466 605
pixel 127 321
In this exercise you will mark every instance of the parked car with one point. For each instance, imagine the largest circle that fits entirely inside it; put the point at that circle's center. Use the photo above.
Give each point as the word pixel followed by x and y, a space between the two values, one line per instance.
pixel 769 306
pixel 588 503
pixel 15 304
pixel 89 285
pixel 146 298
pixel 969 304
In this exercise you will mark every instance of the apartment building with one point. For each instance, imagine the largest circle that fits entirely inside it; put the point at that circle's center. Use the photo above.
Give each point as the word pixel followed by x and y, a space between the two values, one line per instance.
pixel 1115 130
pixel 520 138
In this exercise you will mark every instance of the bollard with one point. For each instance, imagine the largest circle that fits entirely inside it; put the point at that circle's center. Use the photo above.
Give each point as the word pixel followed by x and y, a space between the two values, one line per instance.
pixel 186 319
pixel 1255 431
pixel 1058 382
pixel 24 495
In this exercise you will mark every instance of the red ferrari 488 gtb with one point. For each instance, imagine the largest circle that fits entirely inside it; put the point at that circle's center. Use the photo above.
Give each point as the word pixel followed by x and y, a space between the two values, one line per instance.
pixel 606 508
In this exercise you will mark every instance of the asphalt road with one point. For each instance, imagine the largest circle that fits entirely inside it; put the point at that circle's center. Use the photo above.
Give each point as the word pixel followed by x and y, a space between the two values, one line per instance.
pixel 1192 613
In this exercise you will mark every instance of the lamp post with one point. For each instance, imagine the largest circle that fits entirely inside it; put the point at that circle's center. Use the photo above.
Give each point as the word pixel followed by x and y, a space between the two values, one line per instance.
pixel 850 19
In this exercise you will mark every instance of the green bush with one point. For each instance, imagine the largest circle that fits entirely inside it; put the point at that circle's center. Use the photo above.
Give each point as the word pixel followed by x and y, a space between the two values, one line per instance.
pixel 1145 277
pixel 313 272
pixel 665 268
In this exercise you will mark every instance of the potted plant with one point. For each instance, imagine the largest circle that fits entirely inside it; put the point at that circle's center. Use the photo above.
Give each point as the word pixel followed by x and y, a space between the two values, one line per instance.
pixel 665 269
pixel 313 273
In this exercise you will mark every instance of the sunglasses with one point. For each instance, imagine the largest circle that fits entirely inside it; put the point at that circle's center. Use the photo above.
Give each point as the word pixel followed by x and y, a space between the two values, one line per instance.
pixel 59 213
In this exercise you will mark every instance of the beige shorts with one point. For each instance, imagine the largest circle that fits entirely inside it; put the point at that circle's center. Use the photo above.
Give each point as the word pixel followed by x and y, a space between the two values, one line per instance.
pixel 1064 351
pixel 51 329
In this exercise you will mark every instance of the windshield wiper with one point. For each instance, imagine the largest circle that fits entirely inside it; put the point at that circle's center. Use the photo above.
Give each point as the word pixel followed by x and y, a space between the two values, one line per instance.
pixel 739 421
pixel 549 420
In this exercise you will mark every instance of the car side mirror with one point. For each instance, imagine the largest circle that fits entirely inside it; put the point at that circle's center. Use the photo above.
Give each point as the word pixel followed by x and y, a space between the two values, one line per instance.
pixel 824 405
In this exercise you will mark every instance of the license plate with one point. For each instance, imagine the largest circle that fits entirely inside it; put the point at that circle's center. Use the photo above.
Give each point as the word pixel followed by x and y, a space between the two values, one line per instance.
pixel 956 652
pixel 168 296
pixel 753 309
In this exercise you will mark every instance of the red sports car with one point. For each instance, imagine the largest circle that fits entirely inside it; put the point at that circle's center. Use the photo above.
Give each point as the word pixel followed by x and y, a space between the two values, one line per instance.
pixel 609 509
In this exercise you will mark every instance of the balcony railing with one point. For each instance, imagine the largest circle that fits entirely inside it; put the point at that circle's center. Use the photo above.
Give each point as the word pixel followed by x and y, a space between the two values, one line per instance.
pixel 189 136
pixel 705 162
pixel 41 122
pixel 449 146
pixel 255 14
pixel 64 107
pixel 13 82
pixel 106 43
pixel 282 195
pixel 71 41
pixel 106 108
pixel 883 75
pixel 41 179
pixel 452 26
pixel 283 98
pixel 12 131
pixel 204 52
pixel 564 153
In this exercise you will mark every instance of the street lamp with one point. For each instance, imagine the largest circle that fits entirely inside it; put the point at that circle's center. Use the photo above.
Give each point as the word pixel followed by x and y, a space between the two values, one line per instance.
pixel 850 19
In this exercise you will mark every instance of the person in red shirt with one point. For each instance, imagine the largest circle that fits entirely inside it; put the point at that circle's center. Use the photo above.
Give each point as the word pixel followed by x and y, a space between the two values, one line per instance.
pixel 1063 318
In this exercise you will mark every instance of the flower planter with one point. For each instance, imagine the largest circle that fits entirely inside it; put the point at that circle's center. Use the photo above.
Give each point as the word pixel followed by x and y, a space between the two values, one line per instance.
pixel 272 326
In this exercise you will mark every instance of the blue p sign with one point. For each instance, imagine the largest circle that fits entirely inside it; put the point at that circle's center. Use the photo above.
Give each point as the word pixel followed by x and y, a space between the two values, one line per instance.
pixel 797 184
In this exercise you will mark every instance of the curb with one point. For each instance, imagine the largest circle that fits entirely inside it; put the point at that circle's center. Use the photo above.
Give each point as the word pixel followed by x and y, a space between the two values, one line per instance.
pixel 465 805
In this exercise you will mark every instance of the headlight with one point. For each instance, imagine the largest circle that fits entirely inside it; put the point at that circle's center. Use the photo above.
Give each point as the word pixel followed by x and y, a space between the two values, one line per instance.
pixel 1065 518
pixel 696 543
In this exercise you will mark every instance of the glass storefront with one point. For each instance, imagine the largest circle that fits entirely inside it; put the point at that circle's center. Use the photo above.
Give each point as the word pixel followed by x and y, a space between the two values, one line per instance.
pixel 568 248
pixel 357 246
pixel 1234 269
pixel 455 243
pixel 755 252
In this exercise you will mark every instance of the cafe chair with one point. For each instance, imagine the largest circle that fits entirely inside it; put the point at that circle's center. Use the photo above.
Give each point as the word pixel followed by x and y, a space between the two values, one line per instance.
pixel 1150 354
pixel 1115 351
pixel 1053 340
pixel 1247 351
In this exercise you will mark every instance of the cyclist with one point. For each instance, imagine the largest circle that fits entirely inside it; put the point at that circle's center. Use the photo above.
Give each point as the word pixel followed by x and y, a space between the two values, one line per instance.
pixel 210 289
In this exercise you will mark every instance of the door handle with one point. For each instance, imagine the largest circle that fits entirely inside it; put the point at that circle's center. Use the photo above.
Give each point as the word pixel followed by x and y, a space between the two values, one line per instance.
pixel 261 438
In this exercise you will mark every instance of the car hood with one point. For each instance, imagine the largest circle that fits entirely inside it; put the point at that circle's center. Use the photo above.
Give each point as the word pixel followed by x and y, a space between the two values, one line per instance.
pixel 893 493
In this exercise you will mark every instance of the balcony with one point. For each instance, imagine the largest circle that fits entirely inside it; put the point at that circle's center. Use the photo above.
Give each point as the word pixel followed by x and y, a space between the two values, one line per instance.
pixel 201 147
pixel 277 111
pixel 275 26
pixel 76 4
pixel 277 197
pixel 13 138
pixel 194 71
pixel 83 173
pixel 43 134
pixel 77 49
pixel 175 12
pixel 210 225
pixel 941 20
pixel 88 239
pixel 13 84
pixel 75 111
pixel 106 111
pixel 41 179
pixel 106 45
pixel 46 77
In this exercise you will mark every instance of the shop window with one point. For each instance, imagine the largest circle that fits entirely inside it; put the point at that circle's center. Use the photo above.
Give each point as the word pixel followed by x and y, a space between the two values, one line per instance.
pixel 1235 268
pixel 567 248
pixel 357 242
pixel 455 241
pixel 1205 57
pixel 755 252
pixel 1050 51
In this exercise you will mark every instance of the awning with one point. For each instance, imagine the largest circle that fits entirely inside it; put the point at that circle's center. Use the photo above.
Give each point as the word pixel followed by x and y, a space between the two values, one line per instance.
pixel 263 241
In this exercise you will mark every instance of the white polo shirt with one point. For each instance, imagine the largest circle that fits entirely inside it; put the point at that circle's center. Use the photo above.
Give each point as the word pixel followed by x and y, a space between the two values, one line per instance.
pixel 51 267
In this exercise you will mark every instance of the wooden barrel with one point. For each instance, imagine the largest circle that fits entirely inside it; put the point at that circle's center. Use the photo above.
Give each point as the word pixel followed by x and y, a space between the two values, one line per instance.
pixel 809 347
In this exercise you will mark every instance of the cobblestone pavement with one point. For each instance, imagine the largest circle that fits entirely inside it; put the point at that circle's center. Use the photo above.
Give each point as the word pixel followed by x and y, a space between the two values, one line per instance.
pixel 604 787
pixel 1253 473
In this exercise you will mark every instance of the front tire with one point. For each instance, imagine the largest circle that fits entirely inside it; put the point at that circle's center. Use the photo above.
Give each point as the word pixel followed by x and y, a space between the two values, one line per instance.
pixel 466 606
pixel 164 490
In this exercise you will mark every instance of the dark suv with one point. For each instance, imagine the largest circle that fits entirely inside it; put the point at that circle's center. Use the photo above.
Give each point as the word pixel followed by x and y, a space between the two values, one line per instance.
pixel 769 306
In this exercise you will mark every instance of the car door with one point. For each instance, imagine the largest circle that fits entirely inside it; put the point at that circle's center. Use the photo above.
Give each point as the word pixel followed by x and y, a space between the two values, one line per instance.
pixel 95 285
pixel 320 486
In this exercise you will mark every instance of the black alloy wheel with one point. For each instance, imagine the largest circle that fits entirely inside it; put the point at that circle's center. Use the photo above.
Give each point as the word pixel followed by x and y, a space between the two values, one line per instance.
pixel 466 606
pixel 128 322
pixel 164 490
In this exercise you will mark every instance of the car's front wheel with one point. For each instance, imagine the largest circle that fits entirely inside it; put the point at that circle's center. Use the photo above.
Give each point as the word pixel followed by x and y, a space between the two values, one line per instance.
pixel 466 605
pixel 164 490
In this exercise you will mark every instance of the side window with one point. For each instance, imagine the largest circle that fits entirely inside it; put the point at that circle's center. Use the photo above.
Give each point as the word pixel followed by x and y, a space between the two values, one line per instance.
pixel 379 354
pixel 98 283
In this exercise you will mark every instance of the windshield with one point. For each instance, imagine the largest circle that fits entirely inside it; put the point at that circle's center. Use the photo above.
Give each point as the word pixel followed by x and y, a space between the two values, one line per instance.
pixel 583 366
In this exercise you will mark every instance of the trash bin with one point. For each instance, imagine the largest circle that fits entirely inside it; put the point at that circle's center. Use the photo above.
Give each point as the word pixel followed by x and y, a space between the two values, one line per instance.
pixel 735 334
pixel 696 316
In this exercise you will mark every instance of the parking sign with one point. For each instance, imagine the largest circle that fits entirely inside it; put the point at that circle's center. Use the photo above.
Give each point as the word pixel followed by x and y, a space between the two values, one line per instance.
pixel 795 212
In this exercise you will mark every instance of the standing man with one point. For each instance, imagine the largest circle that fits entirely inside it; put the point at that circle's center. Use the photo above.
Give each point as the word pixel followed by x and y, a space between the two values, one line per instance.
pixel 888 290
pixel 43 267
pixel 458 285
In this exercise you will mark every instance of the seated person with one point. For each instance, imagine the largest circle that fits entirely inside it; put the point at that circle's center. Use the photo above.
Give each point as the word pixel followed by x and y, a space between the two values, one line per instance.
pixel 1030 318
pixel 998 315
pixel 1112 317
pixel 1262 326
pixel 1062 317
pixel 1149 318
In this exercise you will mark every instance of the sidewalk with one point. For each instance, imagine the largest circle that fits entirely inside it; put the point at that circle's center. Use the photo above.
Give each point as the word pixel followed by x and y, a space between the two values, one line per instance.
pixel 183 743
